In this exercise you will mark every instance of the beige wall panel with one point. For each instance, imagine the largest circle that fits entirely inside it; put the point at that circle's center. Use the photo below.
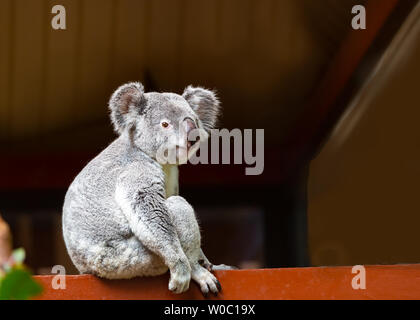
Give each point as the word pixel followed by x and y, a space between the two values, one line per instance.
pixel 364 185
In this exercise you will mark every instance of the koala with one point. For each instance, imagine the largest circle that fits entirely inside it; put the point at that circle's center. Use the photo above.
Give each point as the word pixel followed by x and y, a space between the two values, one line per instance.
pixel 122 215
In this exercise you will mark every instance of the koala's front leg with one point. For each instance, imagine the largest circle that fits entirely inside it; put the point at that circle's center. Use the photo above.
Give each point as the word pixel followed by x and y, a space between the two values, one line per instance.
pixel 185 222
pixel 142 201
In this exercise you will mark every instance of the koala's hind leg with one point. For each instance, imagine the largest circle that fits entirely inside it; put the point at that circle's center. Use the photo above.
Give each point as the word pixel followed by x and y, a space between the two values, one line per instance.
pixel 211 267
pixel 185 222
pixel 121 259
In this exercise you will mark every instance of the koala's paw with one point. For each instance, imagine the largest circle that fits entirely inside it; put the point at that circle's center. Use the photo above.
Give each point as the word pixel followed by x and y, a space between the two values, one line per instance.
pixel 223 267
pixel 206 280
pixel 180 277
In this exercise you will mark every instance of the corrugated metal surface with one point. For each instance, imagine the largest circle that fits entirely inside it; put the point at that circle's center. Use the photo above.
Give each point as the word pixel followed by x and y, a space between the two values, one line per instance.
pixel 268 53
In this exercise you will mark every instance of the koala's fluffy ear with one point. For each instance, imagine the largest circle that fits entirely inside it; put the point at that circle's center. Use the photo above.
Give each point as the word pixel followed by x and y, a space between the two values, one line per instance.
pixel 126 103
pixel 205 104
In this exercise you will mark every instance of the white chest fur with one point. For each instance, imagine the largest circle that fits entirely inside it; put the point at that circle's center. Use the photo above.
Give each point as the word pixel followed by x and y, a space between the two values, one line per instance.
pixel 171 180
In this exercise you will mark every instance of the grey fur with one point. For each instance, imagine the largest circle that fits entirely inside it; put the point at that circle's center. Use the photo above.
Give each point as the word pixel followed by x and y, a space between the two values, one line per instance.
pixel 122 217
pixel 205 103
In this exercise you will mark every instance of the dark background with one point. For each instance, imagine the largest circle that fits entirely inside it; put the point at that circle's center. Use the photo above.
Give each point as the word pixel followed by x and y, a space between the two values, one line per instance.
pixel 291 67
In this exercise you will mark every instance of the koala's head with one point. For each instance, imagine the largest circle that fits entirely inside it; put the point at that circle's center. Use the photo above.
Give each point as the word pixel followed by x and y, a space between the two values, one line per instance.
pixel 166 126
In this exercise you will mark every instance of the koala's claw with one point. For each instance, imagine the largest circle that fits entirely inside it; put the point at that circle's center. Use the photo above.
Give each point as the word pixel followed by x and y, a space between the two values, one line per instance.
pixel 206 280
pixel 219 286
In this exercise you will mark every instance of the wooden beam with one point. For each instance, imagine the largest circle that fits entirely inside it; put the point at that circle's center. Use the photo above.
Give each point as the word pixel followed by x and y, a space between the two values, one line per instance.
pixel 382 282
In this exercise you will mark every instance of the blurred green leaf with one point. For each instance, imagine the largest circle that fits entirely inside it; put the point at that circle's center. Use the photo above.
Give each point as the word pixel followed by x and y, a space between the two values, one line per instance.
pixel 19 255
pixel 18 284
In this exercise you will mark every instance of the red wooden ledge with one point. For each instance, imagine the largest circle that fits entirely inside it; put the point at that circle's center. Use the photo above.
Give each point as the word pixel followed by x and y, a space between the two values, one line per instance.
pixel 382 282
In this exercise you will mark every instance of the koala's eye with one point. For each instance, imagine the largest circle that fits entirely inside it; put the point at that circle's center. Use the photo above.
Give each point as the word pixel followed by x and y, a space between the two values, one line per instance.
pixel 165 124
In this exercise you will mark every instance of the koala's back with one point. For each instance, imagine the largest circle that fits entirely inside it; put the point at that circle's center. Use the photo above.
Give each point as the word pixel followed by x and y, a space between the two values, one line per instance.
pixel 90 213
